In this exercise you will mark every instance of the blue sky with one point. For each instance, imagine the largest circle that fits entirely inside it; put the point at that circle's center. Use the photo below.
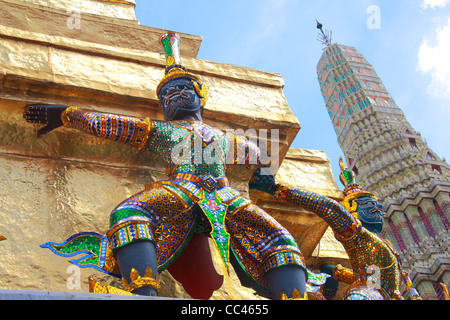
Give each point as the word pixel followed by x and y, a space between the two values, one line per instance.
pixel 408 43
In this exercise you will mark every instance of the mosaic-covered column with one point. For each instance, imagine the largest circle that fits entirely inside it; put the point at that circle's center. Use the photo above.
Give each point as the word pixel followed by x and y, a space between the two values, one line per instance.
pixel 442 205
pixel 400 222
pixel 446 279
pixel 428 207
pixel 427 222
pixel 427 291
pixel 416 223
pixel 389 235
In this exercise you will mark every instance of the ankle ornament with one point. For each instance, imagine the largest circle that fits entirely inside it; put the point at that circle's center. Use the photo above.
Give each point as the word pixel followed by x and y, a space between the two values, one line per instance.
pixel 295 296
pixel 136 281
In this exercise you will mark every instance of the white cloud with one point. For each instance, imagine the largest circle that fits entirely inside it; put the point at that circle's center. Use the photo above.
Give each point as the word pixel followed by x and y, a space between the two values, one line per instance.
pixel 434 3
pixel 434 60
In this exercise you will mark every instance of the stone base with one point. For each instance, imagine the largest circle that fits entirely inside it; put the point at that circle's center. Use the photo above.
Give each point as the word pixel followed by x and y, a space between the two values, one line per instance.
pixel 7 294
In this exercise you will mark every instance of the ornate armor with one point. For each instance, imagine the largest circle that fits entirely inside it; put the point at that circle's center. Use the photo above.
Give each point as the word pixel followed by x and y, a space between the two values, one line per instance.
pixel 169 212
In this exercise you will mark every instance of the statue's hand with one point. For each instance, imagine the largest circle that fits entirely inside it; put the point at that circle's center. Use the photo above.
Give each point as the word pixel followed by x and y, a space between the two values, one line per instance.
pixel 263 182
pixel 50 115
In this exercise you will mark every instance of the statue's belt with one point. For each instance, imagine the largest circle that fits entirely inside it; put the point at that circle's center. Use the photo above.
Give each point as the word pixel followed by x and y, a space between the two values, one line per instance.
pixel 208 182
pixel 213 208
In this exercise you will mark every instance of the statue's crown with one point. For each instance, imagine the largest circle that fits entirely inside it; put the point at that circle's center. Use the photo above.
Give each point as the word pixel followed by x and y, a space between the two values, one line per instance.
pixel 346 177
pixel 174 68
pixel 352 190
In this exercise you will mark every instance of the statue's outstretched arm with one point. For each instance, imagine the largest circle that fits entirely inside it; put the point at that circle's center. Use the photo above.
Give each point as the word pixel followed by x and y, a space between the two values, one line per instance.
pixel 339 219
pixel 129 130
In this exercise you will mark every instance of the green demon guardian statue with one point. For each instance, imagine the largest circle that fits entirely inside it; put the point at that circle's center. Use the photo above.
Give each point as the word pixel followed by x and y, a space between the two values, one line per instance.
pixel 165 225
pixel 357 221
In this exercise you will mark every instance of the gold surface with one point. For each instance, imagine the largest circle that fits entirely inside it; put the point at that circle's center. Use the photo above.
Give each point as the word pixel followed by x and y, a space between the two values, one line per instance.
pixel 96 30
pixel 119 9
pixel 65 183
pixel 131 2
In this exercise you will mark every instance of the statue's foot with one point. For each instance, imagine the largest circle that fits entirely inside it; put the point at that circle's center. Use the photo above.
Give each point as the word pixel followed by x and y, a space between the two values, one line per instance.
pixel 146 291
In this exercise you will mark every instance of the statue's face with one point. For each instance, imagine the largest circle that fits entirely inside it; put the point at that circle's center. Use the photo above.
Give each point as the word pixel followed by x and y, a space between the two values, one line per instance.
pixel 178 96
pixel 370 213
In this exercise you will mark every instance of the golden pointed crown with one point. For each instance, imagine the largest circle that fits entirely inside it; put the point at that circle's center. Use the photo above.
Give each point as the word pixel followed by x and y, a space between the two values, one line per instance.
pixel 98 287
pixel 352 190
pixel 136 281
pixel 296 295
pixel 174 68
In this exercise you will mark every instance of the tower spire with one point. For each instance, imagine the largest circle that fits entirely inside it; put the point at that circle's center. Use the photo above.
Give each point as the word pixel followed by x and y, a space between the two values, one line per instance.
pixel 366 122
pixel 324 36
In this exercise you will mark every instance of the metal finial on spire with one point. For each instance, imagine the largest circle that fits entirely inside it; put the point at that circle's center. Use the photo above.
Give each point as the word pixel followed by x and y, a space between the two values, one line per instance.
pixel 324 36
